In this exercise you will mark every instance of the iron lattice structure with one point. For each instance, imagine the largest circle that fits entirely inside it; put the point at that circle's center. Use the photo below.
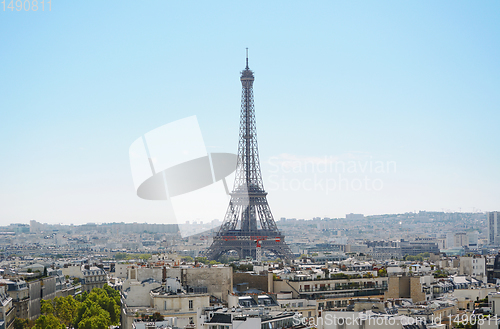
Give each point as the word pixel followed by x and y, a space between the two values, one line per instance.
pixel 248 221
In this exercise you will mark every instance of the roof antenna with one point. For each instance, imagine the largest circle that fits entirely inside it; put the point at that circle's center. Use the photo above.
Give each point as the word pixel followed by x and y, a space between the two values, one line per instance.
pixel 247 59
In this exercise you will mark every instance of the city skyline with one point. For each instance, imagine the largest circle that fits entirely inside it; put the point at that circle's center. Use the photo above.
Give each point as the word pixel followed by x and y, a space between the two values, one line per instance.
pixel 397 99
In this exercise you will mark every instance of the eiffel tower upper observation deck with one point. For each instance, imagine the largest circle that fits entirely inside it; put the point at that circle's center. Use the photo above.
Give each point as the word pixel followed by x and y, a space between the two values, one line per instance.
pixel 248 221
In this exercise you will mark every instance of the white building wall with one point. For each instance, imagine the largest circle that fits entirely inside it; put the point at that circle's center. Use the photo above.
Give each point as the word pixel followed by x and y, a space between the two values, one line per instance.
pixel 495 303
pixel 473 266
pixel 138 293
pixel 180 303
pixel 473 294
pixel 74 271
pixel 121 270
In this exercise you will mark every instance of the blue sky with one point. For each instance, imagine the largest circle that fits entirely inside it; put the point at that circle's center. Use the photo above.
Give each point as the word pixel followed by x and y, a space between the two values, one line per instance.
pixel 410 83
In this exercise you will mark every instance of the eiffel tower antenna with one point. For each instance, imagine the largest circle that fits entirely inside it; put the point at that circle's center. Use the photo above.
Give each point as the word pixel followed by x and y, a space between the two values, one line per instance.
pixel 247 61
pixel 248 223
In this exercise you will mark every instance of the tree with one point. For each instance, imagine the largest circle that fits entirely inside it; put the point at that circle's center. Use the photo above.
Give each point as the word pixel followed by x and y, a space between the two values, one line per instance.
pixel 46 307
pixel 20 323
pixel 66 309
pixel 203 260
pixel 246 267
pixel 92 316
pixel 121 256
pixel 188 259
pixel 441 274
pixel 145 257
pixel 107 299
pixel 113 294
pixel 48 322
pixel 337 276
pixel 98 309
pixel 157 317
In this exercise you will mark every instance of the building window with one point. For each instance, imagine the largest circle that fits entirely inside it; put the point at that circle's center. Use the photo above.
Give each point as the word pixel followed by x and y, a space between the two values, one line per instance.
pixel 190 304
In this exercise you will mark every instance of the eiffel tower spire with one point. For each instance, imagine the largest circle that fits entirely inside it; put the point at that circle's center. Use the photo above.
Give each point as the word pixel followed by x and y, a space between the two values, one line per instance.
pixel 248 221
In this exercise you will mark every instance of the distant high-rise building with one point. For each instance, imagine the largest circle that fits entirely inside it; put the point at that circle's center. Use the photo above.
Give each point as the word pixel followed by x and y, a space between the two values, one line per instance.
pixel 352 216
pixel 450 240
pixel 473 238
pixel 493 227
pixel 461 239
pixel 35 227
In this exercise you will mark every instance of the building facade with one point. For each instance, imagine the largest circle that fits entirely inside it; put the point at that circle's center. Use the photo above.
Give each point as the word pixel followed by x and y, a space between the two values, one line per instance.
pixel 93 277
pixel 7 313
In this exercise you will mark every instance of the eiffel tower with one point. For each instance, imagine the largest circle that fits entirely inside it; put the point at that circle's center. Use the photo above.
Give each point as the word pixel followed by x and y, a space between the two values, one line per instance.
pixel 248 225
